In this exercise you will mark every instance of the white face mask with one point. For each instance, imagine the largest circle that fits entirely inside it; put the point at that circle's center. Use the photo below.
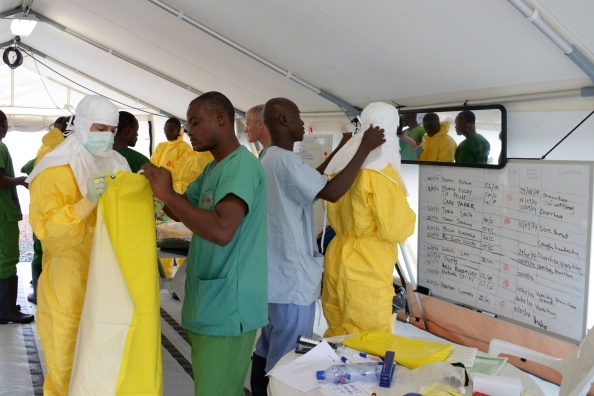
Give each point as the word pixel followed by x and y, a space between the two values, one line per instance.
pixel 100 144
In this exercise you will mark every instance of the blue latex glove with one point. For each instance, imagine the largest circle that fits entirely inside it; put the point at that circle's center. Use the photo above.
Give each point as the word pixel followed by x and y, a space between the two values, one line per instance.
pixel 96 185
pixel 158 204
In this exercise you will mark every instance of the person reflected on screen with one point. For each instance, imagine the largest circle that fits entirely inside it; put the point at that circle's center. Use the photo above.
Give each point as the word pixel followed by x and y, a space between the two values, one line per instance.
pixel 414 131
pixel 407 145
pixel 475 148
pixel 437 145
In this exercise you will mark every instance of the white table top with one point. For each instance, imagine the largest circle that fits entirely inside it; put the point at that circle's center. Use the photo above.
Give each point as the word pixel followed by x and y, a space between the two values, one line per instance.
pixel 278 388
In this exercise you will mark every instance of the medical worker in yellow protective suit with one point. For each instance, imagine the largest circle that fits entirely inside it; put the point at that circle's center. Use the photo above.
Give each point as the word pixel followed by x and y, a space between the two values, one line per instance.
pixel 65 187
pixel 370 220
pixel 169 153
pixel 173 155
pixel 437 144
pixel 49 141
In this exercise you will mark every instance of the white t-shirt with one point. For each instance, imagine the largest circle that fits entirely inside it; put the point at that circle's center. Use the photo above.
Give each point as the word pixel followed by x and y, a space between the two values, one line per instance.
pixel 294 274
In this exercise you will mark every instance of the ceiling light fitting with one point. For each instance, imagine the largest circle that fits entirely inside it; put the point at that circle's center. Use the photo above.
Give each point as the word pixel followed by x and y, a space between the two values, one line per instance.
pixel 23 25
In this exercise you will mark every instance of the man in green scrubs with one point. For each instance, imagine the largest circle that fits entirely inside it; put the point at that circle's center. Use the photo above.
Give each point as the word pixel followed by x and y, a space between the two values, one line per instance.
pixel 126 137
pixel 475 148
pixel 10 215
pixel 414 131
pixel 226 285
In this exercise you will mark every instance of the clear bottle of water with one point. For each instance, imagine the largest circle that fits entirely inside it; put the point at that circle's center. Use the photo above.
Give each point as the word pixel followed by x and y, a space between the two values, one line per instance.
pixel 339 374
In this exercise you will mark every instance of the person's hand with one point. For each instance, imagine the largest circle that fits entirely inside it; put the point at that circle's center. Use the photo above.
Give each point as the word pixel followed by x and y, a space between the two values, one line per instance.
pixel 21 181
pixel 372 138
pixel 160 179
pixel 96 185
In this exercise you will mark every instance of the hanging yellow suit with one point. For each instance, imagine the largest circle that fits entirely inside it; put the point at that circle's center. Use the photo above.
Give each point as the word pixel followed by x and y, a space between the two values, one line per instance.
pixel 369 220
pixel 67 242
pixel 118 351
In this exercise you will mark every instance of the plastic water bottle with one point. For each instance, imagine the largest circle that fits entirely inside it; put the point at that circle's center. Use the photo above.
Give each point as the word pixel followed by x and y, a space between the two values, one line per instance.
pixel 338 374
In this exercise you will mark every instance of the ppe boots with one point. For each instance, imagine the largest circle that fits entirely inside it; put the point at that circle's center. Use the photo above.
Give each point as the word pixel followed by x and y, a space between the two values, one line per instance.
pixel 35 272
pixel 8 295
pixel 258 378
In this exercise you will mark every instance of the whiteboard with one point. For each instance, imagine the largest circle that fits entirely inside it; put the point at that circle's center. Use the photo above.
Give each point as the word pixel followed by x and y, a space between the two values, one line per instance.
pixel 512 242
pixel 313 150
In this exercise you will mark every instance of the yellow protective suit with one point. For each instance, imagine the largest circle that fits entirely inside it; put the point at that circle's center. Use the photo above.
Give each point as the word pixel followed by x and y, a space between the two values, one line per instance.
pixel 184 172
pixel 49 141
pixel 118 350
pixel 55 215
pixel 408 352
pixel 168 153
pixel 441 147
pixel 171 155
pixel 190 168
pixel 369 220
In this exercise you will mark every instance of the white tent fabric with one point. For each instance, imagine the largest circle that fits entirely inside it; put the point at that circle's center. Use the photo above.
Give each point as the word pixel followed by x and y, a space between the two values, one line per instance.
pixel 33 96
pixel 411 53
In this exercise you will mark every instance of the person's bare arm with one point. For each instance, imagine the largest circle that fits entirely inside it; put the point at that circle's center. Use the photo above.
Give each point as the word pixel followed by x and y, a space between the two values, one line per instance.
pixel 339 184
pixel 345 138
pixel 218 226
pixel 7 182
pixel 169 213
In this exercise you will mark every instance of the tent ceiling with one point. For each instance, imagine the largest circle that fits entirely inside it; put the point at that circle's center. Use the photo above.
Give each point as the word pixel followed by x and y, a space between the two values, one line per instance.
pixel 410 52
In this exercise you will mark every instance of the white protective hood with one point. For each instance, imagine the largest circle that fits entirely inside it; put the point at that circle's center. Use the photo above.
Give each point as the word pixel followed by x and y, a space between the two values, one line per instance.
pixel 91 109
pixel 386 117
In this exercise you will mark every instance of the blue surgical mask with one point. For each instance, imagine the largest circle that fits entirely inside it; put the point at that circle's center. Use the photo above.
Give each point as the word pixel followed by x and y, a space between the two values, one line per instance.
pixel 99 143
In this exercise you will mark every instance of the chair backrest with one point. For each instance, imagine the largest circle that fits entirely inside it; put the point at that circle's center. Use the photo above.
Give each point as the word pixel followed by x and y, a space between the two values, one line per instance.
pixel 497 347
pixel 577 369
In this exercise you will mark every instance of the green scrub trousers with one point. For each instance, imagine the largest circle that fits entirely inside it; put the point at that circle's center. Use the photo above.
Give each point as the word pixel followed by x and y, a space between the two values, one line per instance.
pixel 220 363
pixel 9 249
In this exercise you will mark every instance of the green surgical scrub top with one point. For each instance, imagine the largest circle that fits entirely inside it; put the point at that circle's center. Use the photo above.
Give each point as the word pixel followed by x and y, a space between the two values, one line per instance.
pixel 10 211
pixel 474 150
pixel 134 158
pixel 226 286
